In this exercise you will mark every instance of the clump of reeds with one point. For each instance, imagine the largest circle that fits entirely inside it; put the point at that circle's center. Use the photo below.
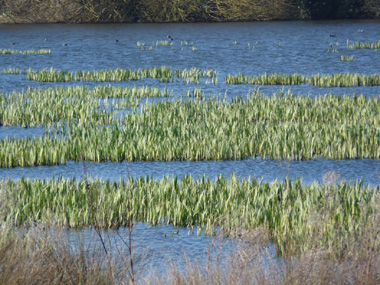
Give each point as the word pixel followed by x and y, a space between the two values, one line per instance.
pixel 332 80
pixel 346 58
pixel 164 74
pixel 11 51
pixel 297 216
pixel 281 127
pixel 365 45
pixel 344 80
pixel 11 70
pixel 266 79
pixel 36 257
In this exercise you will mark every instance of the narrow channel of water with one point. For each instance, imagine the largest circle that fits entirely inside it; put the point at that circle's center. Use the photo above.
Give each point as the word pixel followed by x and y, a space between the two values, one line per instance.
pixel 269 170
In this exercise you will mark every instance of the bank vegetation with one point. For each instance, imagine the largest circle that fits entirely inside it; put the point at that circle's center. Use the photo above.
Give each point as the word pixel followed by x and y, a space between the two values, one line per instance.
pixel 94 11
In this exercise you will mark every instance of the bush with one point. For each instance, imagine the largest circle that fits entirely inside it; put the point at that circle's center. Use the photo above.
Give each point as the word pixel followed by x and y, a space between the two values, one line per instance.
pixel 332 9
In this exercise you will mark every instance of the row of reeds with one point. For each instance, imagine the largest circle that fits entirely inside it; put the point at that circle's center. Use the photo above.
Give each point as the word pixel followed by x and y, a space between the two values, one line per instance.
pixel 363 45
pixel 333 80
pixel 11 51
pixel 193 75
pixel 266 79
pixel 280 127
pixel 164 74
pixel 346 58
pixel 297 216
pixel 40 106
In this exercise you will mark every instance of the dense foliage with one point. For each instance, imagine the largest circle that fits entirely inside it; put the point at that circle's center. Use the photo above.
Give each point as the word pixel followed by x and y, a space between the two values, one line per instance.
pixel 16 11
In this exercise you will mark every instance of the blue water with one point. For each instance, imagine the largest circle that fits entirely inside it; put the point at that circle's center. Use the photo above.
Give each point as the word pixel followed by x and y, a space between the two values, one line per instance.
pixel 279 47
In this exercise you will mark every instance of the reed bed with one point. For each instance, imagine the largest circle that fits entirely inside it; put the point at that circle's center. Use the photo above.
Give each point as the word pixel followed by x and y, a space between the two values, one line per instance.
pixel 33 107
pixel 365 45
pixel 279 127
pixel 266 79
pixel 164 74
pixel 333 80
pixel 163 43
pixel 11 51
pixel 346 58
pixel 11 70
pixel 297 216
pixel 345 80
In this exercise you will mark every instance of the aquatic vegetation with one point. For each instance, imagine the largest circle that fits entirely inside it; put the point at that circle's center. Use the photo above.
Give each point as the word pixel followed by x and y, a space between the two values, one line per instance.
pixel 195 93
pixel 40 106
pixel 164 74
pixel 11 70
pixel 360 45
pixel 332 80
pixel 344 80
pixel 332 50
pixel 346 58
pixel 163 43
pixel 11 51
pixel 280 127
pixel 266 79
pixel 293 213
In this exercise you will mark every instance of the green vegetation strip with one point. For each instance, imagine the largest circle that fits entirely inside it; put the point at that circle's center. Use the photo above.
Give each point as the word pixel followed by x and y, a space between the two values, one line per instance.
pixel 360 45
pixel 333 80
pixel 164 74
pixel 280 127
pixel 11 51
pixel 295 215
pixel 46 106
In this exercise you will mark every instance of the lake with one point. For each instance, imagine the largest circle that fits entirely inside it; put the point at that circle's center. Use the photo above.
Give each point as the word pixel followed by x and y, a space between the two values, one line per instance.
pixel 256 48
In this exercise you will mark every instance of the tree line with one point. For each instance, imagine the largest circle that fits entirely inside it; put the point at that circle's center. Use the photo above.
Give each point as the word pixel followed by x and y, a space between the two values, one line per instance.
pixel 104 11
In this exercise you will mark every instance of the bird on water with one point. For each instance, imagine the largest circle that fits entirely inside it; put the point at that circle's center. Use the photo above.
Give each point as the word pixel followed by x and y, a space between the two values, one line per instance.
pixel 170 38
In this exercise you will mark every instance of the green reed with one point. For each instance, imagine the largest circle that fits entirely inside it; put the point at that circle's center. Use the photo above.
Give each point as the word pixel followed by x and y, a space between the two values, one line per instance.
pixel 365 45
pixel 163 43
pixel 332 80
pixel 11 70
pixel 164 74
pixel 344 80
pixel 293 213
pixel 11 51
pixel 280 127
pixel 346 58
pixel 33 107
pixel 266 79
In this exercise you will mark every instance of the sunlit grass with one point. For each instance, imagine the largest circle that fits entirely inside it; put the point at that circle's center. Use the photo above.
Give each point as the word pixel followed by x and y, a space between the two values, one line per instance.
pixel 280 127
pixel 25 52
pixel 293 213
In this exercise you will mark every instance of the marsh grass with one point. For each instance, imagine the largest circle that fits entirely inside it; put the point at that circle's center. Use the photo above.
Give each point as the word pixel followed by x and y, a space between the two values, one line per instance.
pixel 163 74
pixel 34 257
pixel 331 80
pixel 297 217
pixel 45 106
pixel 266 79
pixel 363 45
pixel 14 71
pixel 25 52
pixel 280 127
pixel 346 58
